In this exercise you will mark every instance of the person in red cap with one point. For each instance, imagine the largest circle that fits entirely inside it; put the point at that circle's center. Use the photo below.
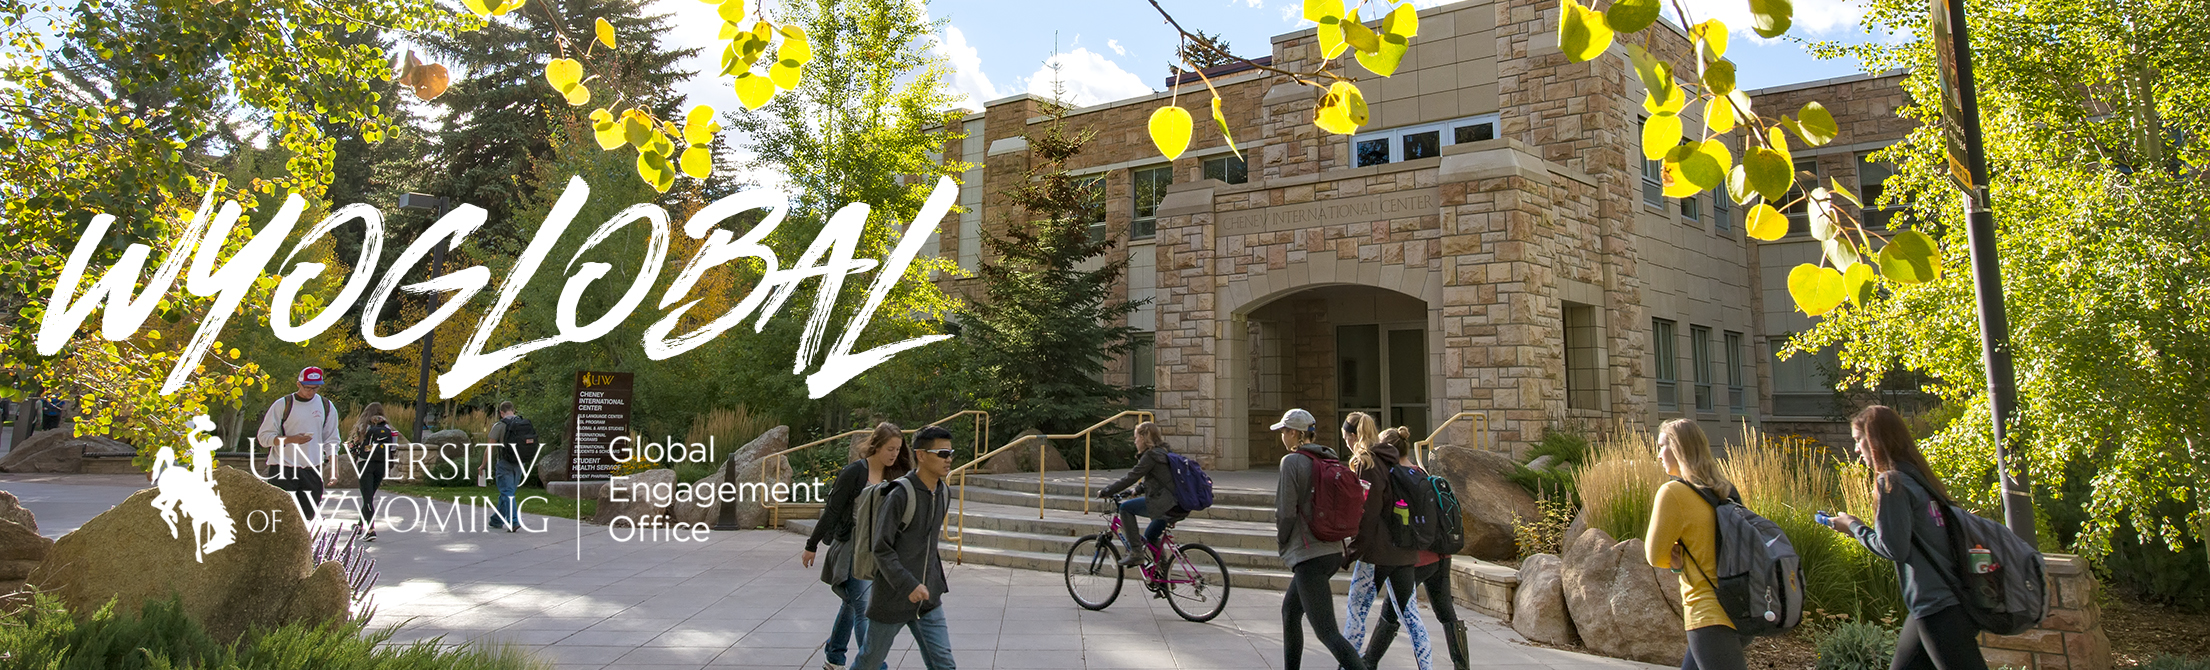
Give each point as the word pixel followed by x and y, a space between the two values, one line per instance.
pixel 300 430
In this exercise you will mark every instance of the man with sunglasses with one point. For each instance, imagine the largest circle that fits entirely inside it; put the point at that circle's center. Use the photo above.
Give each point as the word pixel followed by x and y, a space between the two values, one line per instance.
pixel 909 575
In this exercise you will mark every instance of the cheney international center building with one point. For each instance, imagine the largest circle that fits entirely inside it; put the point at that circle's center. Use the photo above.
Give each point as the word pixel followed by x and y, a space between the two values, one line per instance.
pixel 1491 241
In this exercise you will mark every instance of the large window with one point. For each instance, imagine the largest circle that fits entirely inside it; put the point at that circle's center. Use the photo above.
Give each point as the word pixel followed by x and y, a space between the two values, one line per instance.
pixel 1662 344
pixel 1872 175
pixel 1584 376
pixel 1143 370
pixel 1699 356
pixel 1653 178
pixel 1735 391
pixel 1093 201
pixel 1149 190
pixel 1421 141
pixel 1229 168
pixel 1803 385
pixel 1799 210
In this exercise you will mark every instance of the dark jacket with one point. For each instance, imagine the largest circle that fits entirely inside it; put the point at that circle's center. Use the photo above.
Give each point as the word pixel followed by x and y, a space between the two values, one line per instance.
pixel 836 512
pixel 1158 482
pixel 905 556
pixel 1372 543
pixel 1907 510
pixel 1293 507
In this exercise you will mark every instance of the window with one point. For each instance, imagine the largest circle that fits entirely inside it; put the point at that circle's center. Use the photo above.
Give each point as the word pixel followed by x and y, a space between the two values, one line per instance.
pixel 1735 392
pixel 1699 354
pixel 1799 219
pixel 1421 141
pixel 1722 212
pixel 1653 186
pixel 1584 376
pixel 1093 211
pixel 1143 370
pixel 1871 176
pixel 1150 189
pixel 1803 384
pixel 1692 209
pixel 1229 168
pixel 1661 344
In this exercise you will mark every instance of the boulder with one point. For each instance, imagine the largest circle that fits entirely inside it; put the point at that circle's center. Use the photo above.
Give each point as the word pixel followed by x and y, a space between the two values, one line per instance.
pixel 1023 458
pixel 1538 608
pixel 692 511
pixel 1542 463
pixel 1609 588
pixel 1489 501
pixel 553 466
pixel 58 450
pixel 13 510
pixel 21 550
pixel 1572 532
pixel 749 461
pixel 263 578
pixel 635 489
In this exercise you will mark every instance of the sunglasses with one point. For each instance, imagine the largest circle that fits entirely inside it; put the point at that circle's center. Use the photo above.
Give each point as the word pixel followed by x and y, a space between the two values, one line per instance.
pixel 945 454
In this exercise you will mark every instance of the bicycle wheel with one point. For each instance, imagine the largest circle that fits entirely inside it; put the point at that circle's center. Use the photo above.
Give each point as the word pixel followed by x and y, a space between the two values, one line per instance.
pixel 1093 572
pixel 1197 585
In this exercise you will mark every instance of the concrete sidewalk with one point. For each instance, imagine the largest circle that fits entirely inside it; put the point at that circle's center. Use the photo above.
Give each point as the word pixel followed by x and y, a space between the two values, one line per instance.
pixel 578 598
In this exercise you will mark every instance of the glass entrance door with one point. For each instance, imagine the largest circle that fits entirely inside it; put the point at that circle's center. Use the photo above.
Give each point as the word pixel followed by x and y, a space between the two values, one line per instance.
pixel 1381 369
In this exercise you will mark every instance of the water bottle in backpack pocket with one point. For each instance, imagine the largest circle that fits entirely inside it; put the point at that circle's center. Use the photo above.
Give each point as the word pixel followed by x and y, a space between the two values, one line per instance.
pixel 1412 515
pixel 2001 584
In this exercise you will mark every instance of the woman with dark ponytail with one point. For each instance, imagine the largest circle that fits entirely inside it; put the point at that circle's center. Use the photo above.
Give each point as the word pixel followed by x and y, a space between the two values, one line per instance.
pixel 1909 529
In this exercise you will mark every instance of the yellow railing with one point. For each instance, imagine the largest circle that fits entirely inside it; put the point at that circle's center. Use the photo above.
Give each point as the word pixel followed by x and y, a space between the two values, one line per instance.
pixel 777 460
pixel 1480 423
pixel 1042 442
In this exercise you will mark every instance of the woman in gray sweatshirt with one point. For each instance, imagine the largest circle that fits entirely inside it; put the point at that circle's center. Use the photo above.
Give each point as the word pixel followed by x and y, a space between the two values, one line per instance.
pixel 1311 562
pixel 1910 516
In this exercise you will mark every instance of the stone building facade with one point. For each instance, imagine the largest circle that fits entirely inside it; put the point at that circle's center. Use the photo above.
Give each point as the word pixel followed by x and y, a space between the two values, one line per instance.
pixel 1490 244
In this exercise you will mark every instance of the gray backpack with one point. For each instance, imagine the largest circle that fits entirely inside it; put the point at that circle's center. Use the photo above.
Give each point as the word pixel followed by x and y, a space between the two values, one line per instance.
pixel 863 524
pixel 1759 578
pixel 1998 575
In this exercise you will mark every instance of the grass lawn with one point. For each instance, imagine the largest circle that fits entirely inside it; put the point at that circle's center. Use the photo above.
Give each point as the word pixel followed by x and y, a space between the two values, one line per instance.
pixel 550 505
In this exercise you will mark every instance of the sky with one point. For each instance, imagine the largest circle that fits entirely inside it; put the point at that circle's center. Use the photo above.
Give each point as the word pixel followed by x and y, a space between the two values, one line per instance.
pixel 1115 49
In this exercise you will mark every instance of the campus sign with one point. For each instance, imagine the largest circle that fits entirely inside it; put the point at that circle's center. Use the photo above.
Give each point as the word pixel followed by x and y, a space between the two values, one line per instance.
pixel 601 416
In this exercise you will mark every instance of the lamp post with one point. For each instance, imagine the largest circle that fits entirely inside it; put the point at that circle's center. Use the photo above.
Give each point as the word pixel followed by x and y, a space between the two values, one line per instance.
pixel 436 206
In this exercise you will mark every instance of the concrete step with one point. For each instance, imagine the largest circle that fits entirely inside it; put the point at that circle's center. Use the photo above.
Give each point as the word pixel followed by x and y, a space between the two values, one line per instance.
pixel 977 552
pixel 1027 498
pixel 1214 532
pixel 1070 484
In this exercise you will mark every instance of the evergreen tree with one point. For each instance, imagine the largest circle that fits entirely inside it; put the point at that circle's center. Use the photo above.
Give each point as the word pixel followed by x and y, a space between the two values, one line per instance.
pixel 500 113
pixel 1040 341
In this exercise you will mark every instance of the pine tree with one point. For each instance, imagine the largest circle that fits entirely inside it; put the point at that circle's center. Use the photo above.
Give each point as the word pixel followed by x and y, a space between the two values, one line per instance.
pixel 1041 338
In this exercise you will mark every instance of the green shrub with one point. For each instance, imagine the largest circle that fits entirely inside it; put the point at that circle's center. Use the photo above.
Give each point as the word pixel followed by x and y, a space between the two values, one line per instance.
pixel 1544 534
pixel 2171 662
pixel 1618 487
pixel 1856 645
pixel 44 635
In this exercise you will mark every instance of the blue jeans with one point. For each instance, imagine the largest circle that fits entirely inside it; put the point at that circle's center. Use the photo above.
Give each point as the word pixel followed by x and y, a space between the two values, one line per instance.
pixel 930 633
pixel 506 476
pixel 851 621
pixel 1129 510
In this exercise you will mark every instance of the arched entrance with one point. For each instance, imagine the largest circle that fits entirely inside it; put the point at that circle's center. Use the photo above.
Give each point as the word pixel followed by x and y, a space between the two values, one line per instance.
pixel 1331 349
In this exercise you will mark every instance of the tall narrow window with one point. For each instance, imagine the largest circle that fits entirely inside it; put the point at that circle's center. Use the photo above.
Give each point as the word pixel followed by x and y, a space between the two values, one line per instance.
pixel 1692 209
pixel 1653 178
pixel 1798 210
pixel 1699 357
pixel 1093 204
pixel 1143 370
pixel 1872 177
pixel 1584 378
pixel 1663 346
pixel 1150 189
pixel 1722 212
pixel 1735 392
pixel 1229 168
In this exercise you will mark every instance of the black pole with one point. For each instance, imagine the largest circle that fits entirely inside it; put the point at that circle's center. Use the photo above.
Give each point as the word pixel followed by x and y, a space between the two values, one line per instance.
pixel 1987 283
pixel 422 381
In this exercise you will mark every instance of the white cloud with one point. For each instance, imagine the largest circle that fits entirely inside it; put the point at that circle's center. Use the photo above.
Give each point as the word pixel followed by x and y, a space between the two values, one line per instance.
pixel 1118 50
pixel 1089 77
pixel 1254 4
pixel 968 79
pixel 1812 17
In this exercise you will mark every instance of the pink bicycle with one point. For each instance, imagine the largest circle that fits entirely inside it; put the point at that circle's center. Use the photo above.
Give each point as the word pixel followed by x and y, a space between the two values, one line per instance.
pixel 1193 579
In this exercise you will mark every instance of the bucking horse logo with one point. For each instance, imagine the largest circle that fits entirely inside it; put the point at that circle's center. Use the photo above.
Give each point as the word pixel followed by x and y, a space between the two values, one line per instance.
pixel 191 491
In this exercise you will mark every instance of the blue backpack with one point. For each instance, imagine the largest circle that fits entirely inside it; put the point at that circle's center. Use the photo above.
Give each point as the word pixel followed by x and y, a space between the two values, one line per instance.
pixel 1192 487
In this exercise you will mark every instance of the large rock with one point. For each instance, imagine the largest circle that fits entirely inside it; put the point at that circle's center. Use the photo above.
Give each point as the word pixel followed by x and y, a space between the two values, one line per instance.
pixel 1611 591
pixel 704 506
pixel 21 551
pixel 1488 500
pixel 58 450
pixel 751 460
pixel 553 466
pixel 639 500
pixel 1538 608
pixel 13 510
pixel 263 578
pixel 1023 458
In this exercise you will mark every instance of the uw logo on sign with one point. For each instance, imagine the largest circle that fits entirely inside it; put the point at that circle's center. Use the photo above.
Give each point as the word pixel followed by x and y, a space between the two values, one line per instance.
pixel 597 379
pixel 190 491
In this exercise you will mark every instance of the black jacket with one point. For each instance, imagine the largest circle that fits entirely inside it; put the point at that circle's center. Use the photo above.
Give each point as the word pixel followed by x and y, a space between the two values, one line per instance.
pixel 1158 482
pixel 836 512
pixel 905 556
pixel 1372 543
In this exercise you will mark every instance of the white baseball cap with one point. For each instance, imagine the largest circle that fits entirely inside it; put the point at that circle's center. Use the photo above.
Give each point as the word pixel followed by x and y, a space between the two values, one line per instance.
pixel 1295 419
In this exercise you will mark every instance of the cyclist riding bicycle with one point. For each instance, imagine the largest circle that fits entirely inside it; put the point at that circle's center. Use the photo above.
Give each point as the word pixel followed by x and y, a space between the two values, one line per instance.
pixel 1157 490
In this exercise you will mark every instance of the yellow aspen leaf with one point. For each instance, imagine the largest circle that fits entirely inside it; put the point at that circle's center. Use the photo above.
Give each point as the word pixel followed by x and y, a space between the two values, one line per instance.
pixel 1329 14
pixel 655 170
pixel 1841 253
pixel 659 144
pixel 578 95
pixel 478 7
pixel 754 90
pixel 1718 77
pixel 606 33
pixel 1711 39
pixel 1659 135
pixel 1770 18
pixel 1343 109
pixel 1170 130
pixel 698 162
pixel 1404 21
pixel 1858 283
pixel 1358 35
pixel 1835 185
pixel 1824 225
pixel 1719 115
pixel 796 46
pixel 731 13
pixel 607 130
pixel 1815 124
pixel 1222 118
pixel 637 128
pixel 699 125
pixel 1627 16
pixel 1910 258
pixel 785 73
pixel 508 6
pixel 563 73
pixel 1582 32
pixel 1766 223
pixel 1384 61
pixel 1816 290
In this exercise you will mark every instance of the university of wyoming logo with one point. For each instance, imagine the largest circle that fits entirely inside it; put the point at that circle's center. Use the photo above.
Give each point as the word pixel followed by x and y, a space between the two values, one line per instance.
pixel 191 491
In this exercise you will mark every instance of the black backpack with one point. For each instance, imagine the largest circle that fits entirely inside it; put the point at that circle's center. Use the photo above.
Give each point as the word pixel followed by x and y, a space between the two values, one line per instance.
pixel 1450 527
pixel 521 442
pixel 1411 517
pixel 1759 578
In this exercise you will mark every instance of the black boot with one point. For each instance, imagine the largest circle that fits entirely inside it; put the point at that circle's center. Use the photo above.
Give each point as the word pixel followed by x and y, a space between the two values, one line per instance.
pixel 1455 633
pixel 1138 550
pixel 1384 634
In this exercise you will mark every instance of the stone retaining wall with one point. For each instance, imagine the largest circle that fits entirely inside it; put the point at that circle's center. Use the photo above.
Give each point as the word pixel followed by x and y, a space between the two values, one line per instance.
pixel 1486 587
pixel 2071 638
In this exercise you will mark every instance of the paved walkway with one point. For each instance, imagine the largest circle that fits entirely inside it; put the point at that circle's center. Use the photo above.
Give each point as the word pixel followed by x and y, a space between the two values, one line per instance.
pixel 578 598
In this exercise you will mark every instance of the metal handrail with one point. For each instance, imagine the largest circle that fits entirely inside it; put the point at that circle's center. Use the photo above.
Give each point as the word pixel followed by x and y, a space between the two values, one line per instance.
pixel 959 539
pixel 1480 435
pixel 775 507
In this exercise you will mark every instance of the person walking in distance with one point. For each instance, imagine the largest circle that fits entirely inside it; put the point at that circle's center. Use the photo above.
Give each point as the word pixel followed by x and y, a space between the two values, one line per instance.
pixel 370 448
pixel 1156 490
pixel 885 458
pixel 1312 560
pixel 299 430
pixel 1372 457
pixel 1683 536
pixel 909 573
pixel 1907 529
pixel 513 444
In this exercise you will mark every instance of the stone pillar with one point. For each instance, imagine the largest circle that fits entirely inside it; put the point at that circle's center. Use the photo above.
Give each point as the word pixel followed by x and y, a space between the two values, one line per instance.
pixel 2071 638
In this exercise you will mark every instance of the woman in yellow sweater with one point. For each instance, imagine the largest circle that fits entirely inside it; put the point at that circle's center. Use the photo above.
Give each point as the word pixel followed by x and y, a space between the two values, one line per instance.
pixel 1684 536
